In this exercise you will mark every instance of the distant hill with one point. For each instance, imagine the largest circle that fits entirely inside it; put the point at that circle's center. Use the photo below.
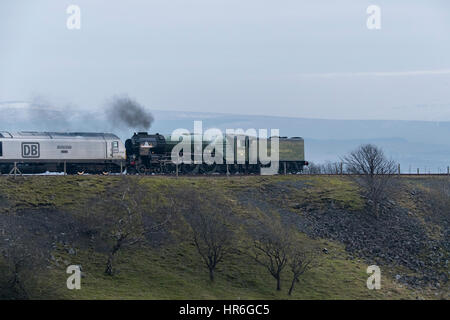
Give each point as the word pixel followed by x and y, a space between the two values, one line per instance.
pixel 414 144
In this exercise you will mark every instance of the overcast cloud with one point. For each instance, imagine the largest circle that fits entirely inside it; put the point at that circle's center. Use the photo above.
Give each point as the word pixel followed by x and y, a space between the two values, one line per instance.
pixel 296 58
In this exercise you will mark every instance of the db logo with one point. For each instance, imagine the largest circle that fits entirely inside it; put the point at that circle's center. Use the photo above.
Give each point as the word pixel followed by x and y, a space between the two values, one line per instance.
pixel 30 150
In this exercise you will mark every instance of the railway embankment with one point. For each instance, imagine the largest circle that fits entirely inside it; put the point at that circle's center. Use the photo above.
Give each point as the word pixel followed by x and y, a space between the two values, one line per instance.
pixel 52 222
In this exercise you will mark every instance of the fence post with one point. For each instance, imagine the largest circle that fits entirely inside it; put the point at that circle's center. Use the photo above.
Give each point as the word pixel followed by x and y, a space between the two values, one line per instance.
pixel 417 170
pixel 342 168
pixel 399 169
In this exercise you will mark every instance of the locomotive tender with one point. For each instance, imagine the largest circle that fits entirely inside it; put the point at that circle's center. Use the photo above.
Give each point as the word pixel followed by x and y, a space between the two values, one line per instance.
pixel 143 153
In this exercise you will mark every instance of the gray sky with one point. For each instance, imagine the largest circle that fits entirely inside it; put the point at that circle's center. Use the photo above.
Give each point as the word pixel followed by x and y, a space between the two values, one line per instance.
pixel 297 58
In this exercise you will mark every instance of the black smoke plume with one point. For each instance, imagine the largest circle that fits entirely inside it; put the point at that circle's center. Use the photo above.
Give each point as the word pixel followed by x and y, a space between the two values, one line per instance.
pixel 126 112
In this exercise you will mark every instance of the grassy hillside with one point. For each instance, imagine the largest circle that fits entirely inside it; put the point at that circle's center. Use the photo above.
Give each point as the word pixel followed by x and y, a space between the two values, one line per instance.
pixel 167 265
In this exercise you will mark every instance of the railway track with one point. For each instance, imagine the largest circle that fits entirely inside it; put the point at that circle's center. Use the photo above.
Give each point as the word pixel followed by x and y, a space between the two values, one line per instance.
pixel 215 175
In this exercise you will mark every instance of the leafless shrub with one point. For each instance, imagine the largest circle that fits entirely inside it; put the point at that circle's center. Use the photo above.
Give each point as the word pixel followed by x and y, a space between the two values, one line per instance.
pixel 312 168
pixel 277 247
pixel 324 168
pixel 23 258
pixel 373 172
pixel 124 217
pixel 301 259
pixel 271 246
pixel 332 168
pixel 211 225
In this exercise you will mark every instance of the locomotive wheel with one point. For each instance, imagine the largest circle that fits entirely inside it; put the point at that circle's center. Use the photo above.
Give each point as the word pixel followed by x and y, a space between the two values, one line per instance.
pixel 222 168
pixel 141 169
pixel 183 168
pixel 171 169
pixel 232 169
pixel 293 168
pixel 254 169
pixel 157 170
pixel 190 168
pixel 195 168
pixel 208 168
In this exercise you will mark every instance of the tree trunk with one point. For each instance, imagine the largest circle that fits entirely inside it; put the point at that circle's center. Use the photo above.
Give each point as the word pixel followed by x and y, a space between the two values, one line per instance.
pixel 211 275
pixel 19 292
pixel 278 283
pixel 292 286
pixel 109 265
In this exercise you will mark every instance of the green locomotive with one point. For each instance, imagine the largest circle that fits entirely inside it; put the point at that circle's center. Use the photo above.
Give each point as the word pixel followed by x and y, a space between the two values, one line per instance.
pixel 153 153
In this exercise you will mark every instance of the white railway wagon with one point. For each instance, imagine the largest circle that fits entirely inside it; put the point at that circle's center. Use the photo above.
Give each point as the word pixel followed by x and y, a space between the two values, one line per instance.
pixel 53 151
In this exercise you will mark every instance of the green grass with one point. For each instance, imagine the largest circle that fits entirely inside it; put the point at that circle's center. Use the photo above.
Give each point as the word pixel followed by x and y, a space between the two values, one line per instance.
pixel 175 271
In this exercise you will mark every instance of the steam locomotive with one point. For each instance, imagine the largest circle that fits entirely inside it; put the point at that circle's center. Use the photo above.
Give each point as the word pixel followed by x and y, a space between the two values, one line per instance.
pixel 152 153
pixel 143 153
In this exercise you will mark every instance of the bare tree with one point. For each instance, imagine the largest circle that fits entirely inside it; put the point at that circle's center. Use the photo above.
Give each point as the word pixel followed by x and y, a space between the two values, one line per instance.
pixel 331 168
pixel 323 168
pixel 301 260
pixel 271 246
pixel 121 216
pixel 212 232
pixel 23 257
pixel 312 168
pixel 372 171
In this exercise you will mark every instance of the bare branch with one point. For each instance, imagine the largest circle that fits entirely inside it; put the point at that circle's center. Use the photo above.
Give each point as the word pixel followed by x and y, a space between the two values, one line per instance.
pixel 373 172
